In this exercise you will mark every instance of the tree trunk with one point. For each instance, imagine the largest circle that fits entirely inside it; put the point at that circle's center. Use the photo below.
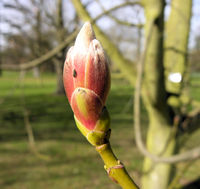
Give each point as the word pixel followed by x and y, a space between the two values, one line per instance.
pixel 36 72
pixel 37 46
pixel 59 61
pixel 176 44
pixel 155 100
pixel 58 64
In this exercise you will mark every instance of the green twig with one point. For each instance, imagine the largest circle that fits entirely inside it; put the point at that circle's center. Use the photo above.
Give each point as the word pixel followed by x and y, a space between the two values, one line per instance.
pixel 115 168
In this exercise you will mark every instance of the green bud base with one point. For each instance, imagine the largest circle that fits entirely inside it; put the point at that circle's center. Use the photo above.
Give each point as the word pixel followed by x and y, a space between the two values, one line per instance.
pixel 99 137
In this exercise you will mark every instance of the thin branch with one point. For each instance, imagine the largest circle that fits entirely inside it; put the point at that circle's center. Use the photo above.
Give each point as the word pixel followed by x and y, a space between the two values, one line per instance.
pixel 15 25
pixel 116 19
pixel 50 17
pixel 115 169
pixel 126 23
pixel 28 127
pixel 56 50
pixel 179 175
pixel 17 8
pixel 185 156
pixel 40 60
pixel 107 12
pixel 29 130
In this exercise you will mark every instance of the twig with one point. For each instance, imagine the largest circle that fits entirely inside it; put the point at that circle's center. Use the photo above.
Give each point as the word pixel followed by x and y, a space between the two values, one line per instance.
pixel 60 47
pixel 29 130
pixel 107 12
pixel 179 175
pixel 115 168
pixel 40 60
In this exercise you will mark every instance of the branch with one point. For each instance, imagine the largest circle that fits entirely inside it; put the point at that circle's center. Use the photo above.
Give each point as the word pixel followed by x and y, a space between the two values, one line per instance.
pixel 50 17
pixel 61 46
pixel 115 169
pixel 185 156
pixel 40 60
pixel 179 175
pixel 110 47
pixel 107 12
pixel 126 23
pixel 22 9
pixel 28 14
pixel 15 25
pixel 28 127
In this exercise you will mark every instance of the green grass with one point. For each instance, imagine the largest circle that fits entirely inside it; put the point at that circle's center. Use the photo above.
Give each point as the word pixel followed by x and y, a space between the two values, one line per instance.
pixel 72 163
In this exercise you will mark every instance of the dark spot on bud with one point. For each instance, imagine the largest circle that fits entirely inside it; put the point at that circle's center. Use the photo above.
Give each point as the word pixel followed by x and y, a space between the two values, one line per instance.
pixel 74 73
pixel 104 108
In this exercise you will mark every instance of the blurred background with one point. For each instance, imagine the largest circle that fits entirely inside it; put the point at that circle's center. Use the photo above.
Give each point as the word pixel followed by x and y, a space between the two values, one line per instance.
pixel 40 146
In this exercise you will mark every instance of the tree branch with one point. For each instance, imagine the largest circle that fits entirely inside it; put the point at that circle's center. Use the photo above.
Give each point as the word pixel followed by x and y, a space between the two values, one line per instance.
pixel 40 60
pixel 118 58
pixel 185 156
pixel 107 12
pixel 17 8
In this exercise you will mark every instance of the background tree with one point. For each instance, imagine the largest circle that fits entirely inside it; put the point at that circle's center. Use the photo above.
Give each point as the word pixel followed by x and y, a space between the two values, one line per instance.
pixel 194 56
pixel 41 21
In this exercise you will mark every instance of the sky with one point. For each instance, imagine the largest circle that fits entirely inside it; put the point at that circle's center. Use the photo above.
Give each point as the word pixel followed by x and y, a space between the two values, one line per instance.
pixel 105 23
pixel 195 22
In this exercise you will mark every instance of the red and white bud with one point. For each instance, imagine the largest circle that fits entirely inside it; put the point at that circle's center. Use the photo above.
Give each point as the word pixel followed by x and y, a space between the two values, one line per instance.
pixel 86 77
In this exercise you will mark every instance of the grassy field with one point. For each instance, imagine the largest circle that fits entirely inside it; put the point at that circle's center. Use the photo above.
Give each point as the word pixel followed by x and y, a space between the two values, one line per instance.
pixel 65 159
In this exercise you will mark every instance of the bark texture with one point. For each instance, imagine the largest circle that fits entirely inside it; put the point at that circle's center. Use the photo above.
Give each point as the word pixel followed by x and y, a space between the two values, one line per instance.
pixel 176 42
pixel 155 100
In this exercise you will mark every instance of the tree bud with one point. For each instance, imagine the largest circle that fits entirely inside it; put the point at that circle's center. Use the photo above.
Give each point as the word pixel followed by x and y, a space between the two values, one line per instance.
pixel 86 78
